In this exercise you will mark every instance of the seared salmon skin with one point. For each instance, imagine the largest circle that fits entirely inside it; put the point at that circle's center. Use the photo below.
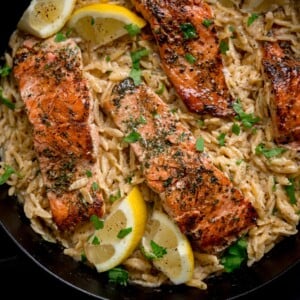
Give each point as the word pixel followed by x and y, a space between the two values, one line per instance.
pixel 282 72
pixel 196 195
pixel 189 51
pixel 58 103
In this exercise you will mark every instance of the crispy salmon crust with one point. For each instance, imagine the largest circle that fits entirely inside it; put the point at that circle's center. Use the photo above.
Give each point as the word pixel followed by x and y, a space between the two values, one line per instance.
pixel 282 72
pixel 58 104
pixel 196 195
pixel 189 50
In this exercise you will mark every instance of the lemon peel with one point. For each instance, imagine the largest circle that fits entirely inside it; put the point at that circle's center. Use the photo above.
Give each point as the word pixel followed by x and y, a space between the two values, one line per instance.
pixel 44 18
pixel 103 23
pixel 122 231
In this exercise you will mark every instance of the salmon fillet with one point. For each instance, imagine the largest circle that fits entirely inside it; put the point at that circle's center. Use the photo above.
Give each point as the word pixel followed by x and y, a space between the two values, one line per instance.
pixel 282 72
pixel 194 193
pixel 58 104
pixel 189 51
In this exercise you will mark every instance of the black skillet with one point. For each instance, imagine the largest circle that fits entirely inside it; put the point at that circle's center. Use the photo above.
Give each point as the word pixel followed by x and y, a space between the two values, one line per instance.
pixel 49 257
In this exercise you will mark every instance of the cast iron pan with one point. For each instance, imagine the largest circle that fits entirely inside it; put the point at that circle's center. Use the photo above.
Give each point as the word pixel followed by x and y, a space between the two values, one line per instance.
pixel 78 276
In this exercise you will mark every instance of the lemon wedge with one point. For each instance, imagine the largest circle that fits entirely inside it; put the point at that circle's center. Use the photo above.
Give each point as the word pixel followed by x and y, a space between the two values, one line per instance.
pixel 169 249
pixel 103 23
pixel 121 233
pixel 44 18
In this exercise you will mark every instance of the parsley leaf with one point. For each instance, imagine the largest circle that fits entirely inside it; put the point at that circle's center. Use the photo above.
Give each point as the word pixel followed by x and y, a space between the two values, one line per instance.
pixel 248 120
pixel 89 173
pixel 239 161
pixel 136 72
pixel 95 241
pixel 123 232
pixel 132 137
pixel 135 75
pixel 118 276
pixel 200 144
pixel 5 71
pixel 236 129
pixel 268 153
pixel 95 186
pixel 6 101
pixel 60 37
pixel 83 258
pixel 223 47
pixel 157 250
pixel 190 58
pixel 221 139
pixel 207 22
pixel 290 190
pixel 113 198
pixel 98 223
pixel 235 255
pixel 252 18
pixel 132 29
pixel 188 30
pixel 8 171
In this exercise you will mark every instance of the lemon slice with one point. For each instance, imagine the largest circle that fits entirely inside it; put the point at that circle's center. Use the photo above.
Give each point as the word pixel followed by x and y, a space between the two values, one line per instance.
pixel 44 18
pixel 122 231
pixel 177 262
pixel 103 23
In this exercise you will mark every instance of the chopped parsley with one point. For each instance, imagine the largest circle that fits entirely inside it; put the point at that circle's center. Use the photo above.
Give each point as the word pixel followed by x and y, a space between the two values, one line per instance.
pixel 118 276
pixel 248 120
pixel 221 139
pixel 190 58
pixel 223 47
pixel 92 21
pixel 136 72
pixel 117 196
pixel 132 29
pixel 60 37
pixel 95 186
pixel 236 129
pixel 239 161
pixel 88 173
pixel 268 153
pixel 207 22
pixel 157 251
pixel 252 18
pixel 132 137
pixel 98 223
pixel 128 179
pixel 200 144
pixel 290 190
pixel 6 101
pixel 189 31
pixel 5 71
pixel 83 257
pixel 95 241
pixel 124 232
pixel 8 171
pixel 234 255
